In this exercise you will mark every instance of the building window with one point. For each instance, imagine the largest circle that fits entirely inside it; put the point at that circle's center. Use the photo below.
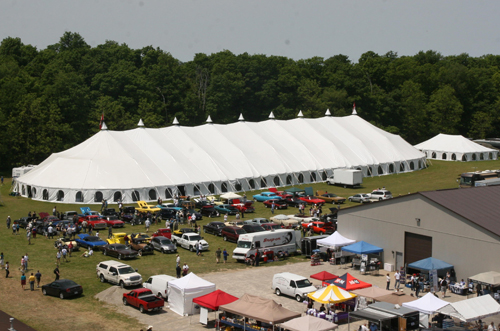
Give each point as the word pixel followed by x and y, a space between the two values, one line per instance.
pixel 380 171
pixel 324 175
pixel 136 196
pixel 453 157
pixel 263 183
pixel 45 194
pixel 474 157
pixel 464 158
pixel 490 157
pixel 443 156
pixel 79 196
pixel 211 188
pixel 276 181
pixel 391 168
pixel 481 156
pixel 289 180
pixel 300 178
pixel 60 195
pixel 152 194
pixel 34 192
pixel 224 187
pixel 23 189
pixel 237 186
pixel 98 196
pixel 370 171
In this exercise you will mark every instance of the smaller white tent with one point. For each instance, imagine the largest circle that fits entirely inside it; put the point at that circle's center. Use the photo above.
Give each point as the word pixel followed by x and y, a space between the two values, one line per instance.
pixel 183 290
pixel 335 240
pixel 472 309
pixel 455 148
pixel 428 304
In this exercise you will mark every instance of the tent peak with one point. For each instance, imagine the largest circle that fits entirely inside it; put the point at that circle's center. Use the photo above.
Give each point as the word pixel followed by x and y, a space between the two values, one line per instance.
pixel 141 123
pixel 300 115
pixel 327 113
pixel 354 112
pixel 209 119
pixel 241 118
pixel 175 122
pixel 104 126
pixel 271 116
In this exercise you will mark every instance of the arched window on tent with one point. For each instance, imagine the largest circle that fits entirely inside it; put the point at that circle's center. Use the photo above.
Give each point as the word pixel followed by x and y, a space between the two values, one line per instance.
pixel 464 158
pixel 23 189
pixel 237 187
pixel 380 171
pixel 300 178
pixel 152 194
pixel 391 168
pixel 98 196
pixel 45 194
pixel 60 195
pixel 117 196
pixel 168 193
pixel 481 156
pixel 289 180
pixel 433 155
pixel 276 181
pixel 453 157
pixel 312 177
pixel 324 175
pixel 211 188
pixel 251 182
pixel 474 157
pixel 223 187
pixel 443 156
pixel 196 190
pixel 79 196
pixel 263 183
pixel 489 155
pixel 136 196
pixel 401 167
pixel 412 165
pixel 34 192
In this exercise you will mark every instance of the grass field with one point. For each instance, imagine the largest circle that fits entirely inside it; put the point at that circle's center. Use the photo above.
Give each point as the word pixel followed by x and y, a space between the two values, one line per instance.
pixel 86 313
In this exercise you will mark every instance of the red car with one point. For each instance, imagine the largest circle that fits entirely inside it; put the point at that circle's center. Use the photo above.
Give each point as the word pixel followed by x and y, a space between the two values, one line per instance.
pixel 312 201
pixel 113 221
pixel 143 299
pixel 95 221
pixel 246 207
pixel 320 227
pixel 163 232
pixel 278 204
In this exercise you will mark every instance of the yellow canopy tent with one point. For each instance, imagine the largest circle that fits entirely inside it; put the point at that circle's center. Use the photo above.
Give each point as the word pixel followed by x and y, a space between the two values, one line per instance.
pixel 331 294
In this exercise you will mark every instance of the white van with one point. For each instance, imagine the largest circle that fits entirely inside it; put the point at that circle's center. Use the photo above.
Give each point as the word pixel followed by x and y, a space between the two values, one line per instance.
pixel 158 284
pixel 292 285
pixel 283 240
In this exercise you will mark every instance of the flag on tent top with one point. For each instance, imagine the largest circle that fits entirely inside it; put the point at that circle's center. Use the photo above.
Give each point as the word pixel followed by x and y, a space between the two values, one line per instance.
pixel 102 121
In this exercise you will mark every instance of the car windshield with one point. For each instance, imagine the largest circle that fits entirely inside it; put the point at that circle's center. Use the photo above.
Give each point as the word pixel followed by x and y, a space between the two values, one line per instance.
pixel 93 238
pixel 244 244
pixel 196 238
pixel 126 270
pixel 303 283
pixel 165 242
pixel 121 247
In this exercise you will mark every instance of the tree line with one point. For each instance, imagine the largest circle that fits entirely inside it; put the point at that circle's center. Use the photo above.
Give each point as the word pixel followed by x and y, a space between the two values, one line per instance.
pixel 52 99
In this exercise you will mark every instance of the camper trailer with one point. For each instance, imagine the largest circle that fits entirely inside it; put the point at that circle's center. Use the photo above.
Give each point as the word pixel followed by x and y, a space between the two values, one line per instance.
pixel 283 241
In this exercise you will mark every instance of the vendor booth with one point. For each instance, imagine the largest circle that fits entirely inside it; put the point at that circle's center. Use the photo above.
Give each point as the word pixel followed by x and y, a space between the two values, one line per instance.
pixel 212 301
pixel 426 305
pixel 182 291
pixel 362 249
pixel 323 275
pixel 264 313
pixel 308 323
pixel 347 282
pixel 472 309
pixel 340 301
pixel 335 242
pixel 489 281
pixel 372 292
pixel 388 316
pixel 430 263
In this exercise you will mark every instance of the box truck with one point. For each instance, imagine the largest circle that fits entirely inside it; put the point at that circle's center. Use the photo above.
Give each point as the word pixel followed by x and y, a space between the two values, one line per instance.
pixel 346 177
pixel 278 241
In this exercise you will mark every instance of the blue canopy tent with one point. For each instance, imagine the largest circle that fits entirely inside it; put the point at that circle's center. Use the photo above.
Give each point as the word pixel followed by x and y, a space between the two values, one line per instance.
pixel 430 263
pixel 362 247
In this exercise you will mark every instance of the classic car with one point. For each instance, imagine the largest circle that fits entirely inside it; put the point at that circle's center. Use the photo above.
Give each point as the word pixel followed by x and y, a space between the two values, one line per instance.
pixel 330 197
pixel 141 242
pixel 68 215
pixel 294 202
pixel 214 201
pixel 271 226
pixel 50 219
pixel 278 204
pixel 213 228
pixel 231 233
pixel 86 241
pixel 312 200
pixel 113 221
pixel 62 288
pixel 65 242
pixel 143 207
pixel 128 214
pixel 266 196
pixel 235 223
pixel 86 211
pixel 117 238
pixel 361 197
pixel 181 231
pixel 191 212
pixel 209 210
pixel 163 232
pixel 246 207
pixel 258 220
pixel 319 227
pixel 143 299
pixel 167 213
pixel 250 228
pixel 119 251
pixel 163 244
pixel 23 221
pixel 139 237
pixel 95 221
pixel 109 212
pixel 226 209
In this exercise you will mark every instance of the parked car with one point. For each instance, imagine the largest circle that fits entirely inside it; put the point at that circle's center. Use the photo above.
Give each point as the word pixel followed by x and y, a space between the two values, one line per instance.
pixel 163 232
pixel 319 227
pixel 231 233
pixel 271 226
pixel 312 201
pixel 95 221
pixel 251 228
pixel 85 240
pixel 191 212
pixel 113 221
pixel 141 242
pixel 235 223
pixel 259 220
pixel 294 202
pixel 380 195
pixel 65 242
pixel 166 213
pixel 163 244
pixel 361 197
pixel 62 288
pixel 117 238
pixel 266 196
pixel 209 211
pixel 118 273
pixel 128 214
pixel 181 231
pixel 292 285
pixel 23 221
pixel 278 204
pixel 226 209
pixel 119 251
pixel 213 228
pixel 143 299
pixel 159 284
pixel 139 237
pixel 331 198
pixel 143 207
pixel 109 212
pixel 68 215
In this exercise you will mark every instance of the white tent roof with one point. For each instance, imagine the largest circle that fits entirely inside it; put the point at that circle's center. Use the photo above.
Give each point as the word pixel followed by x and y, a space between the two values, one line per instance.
pixel 428 304
pixel 182 291
pixel 189 282
pixel 230 196
pixel 308 323
pixel 489 277
pixel 145 159
pixel 335 240
pixel 472 309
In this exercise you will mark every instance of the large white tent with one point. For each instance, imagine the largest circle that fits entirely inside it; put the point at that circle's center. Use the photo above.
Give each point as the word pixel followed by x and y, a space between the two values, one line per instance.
pixel 335 240
pixel 144 163
pixel 182 291
pixel 455 148
pixel 472 309
pixel 428 304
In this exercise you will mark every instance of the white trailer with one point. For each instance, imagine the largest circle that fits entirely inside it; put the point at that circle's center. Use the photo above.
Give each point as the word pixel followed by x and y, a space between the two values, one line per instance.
pixel 284 240
pixel 346 177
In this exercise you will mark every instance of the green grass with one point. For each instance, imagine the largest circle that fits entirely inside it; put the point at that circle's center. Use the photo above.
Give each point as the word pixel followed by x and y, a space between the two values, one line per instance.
pixel 439 175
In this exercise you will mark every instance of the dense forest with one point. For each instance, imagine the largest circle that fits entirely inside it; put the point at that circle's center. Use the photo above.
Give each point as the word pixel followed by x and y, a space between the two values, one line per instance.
pixel 52 99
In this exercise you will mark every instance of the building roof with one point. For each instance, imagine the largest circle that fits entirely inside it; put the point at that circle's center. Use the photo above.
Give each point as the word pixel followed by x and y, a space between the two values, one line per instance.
pixel 477 204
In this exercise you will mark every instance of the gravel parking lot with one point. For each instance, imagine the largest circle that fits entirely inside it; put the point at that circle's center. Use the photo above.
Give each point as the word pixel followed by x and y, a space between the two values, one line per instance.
pixel 253 280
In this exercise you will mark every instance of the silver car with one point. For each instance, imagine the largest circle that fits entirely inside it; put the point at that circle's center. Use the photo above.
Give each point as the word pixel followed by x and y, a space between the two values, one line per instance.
pixel 380 195
pixel 362 197
pixel 163 244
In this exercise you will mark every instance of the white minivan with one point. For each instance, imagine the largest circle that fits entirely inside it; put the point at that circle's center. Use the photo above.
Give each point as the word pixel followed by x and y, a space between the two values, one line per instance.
pixel 158 284
pixel 292 285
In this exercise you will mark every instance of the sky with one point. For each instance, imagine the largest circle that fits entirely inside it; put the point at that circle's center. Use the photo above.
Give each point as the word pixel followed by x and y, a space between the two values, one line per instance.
pixel 296 29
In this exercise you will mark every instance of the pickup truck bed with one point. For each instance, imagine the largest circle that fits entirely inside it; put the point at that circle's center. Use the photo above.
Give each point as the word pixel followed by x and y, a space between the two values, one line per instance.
pixel 144 299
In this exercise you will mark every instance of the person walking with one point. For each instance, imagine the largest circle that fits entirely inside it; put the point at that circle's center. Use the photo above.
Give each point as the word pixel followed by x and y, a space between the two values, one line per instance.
pixel 110 232
pixel 147 224
pixel 23 281
pixel 444 286
pixel 56 272
pixel 22 268
pixel 257 258
pixel 388 279
pixel 70 248
pixel 397 277
pixel 1 260
pixel 218 253
pixel 197 248
pixel 7 271
pixel 58 258
pixel 418 286
pixel 26 260
pixel 28 236
pixel 38 277
pixel 185 269
pixel 200 248
pixel 64 253
pixel 8 222
pixel 225 254
pixel 32 282
pixel 272 207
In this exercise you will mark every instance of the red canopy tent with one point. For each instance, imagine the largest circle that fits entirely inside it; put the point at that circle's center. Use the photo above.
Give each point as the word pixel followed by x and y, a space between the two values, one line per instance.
pixel 347 282
pixel 215 299
pixel 324 275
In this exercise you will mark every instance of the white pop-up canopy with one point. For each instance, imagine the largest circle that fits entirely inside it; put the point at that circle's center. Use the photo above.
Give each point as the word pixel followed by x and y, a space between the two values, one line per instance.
pixel 455 148
pixel 335 240
pixel 182 291
pixel 472 309
pixel 428 304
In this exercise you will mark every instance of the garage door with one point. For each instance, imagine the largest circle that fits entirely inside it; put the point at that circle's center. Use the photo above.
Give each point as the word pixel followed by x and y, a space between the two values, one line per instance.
pixel 417 247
